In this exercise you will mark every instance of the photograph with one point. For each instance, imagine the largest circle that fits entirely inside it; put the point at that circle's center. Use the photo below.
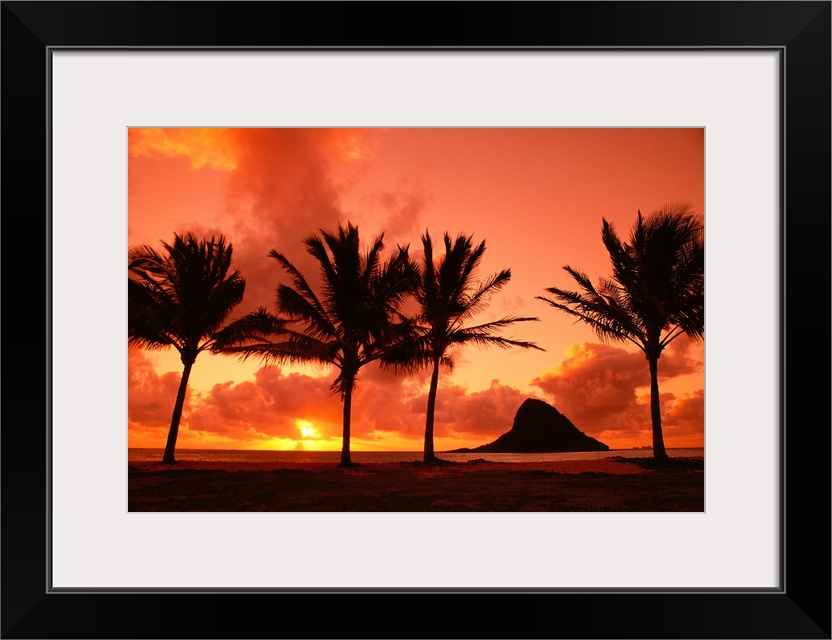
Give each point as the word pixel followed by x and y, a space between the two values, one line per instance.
pixel 416 319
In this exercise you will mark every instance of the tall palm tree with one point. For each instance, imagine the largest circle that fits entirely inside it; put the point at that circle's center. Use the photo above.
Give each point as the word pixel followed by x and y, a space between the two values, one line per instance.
pixel 449 296
pixel 354 320
pixel 655 295
pixel 181 299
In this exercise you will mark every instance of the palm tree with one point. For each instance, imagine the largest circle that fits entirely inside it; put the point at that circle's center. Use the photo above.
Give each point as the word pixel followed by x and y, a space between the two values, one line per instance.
pixel 350 325
pixel 655 295
pixel 181 299
pixel 449 296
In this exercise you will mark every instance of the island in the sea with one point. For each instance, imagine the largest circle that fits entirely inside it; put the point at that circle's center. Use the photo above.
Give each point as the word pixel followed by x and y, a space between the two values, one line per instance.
pixel 539 428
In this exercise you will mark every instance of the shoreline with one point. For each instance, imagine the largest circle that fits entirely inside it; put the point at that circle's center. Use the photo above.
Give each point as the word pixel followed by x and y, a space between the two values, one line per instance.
pixel 611 465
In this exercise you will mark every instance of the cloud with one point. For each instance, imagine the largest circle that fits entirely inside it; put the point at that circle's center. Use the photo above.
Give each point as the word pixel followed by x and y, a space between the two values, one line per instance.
pixel 594 382
pixel 597 387
pixel 282 406
pixel 290 183
pixel 681 357
pixel 397 211
pixel 277 402
pixel 684 417
pixel 600 388
pixel 271 406
pixel 483 414
pixel 469 416
pixel 604 391
pixel 150 397
pixel 201 147
pixel 279 186
pixel 239 414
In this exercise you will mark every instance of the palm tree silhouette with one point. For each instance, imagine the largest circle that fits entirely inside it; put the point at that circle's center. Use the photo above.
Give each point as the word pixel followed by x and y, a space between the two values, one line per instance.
pixel 350 325
pixel 449 296
pixel 656 292
pixel 181 300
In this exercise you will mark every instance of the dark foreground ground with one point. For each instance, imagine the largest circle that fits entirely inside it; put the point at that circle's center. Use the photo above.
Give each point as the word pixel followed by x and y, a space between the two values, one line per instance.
pixel 599 485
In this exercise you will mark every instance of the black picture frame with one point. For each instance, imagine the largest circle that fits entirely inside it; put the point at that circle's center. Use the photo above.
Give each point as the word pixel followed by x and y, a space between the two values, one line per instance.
pixel 799 31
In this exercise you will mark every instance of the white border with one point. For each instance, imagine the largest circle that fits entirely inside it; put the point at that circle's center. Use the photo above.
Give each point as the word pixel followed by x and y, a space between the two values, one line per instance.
pixel 97 543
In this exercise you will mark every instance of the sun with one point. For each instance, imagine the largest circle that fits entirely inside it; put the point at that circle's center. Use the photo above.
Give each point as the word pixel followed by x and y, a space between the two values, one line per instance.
pixel 306 429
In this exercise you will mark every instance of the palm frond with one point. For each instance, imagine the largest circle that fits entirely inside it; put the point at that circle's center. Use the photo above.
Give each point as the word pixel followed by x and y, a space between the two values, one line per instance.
pixel 496 325
pixel 393 281
pixel 656 286
pixel 296 306
pixel 294 348
pixel 484 292
pixel 466 336
pixel 408 355
pixel 329 271
pixel 303 290
pixel 449 295
pixel 354 320
pixel 606 322
pixel 183 297
pixel 254 327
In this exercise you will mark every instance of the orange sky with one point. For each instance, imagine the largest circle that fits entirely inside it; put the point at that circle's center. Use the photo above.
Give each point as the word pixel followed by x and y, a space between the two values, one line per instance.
pixel 536 196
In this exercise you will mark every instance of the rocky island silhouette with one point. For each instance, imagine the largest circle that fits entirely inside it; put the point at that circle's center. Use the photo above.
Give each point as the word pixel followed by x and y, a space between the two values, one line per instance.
pixel 539 428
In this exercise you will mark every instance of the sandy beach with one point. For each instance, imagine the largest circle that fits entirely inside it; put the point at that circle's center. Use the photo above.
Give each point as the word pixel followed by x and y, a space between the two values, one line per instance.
pixel 609 484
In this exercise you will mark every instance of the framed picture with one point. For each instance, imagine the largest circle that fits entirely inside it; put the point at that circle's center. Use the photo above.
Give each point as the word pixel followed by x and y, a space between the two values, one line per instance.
pixel 754 564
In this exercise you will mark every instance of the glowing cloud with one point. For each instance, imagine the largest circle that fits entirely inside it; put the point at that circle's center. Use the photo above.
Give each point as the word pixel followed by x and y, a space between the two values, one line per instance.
pixel 597 387
pixel 212 148
pixel 536 195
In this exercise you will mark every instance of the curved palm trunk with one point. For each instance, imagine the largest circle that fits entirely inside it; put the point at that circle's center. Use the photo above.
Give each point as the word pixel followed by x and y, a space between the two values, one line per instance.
pixel 659 452
pixel 346 461
pixel 429 455
pixel 177 415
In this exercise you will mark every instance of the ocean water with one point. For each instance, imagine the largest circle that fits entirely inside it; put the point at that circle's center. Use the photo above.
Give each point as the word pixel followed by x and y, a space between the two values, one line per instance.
pixel 233 455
